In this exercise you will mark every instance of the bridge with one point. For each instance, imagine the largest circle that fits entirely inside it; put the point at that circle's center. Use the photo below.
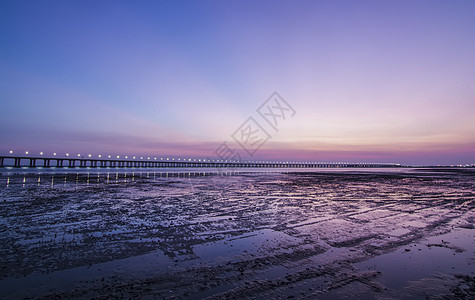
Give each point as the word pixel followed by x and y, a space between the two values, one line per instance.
pixel 81 162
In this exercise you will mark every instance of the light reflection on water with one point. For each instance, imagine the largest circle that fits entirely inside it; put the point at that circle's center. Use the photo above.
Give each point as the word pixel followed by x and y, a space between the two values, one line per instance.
pixel 52 179
pixel 221 230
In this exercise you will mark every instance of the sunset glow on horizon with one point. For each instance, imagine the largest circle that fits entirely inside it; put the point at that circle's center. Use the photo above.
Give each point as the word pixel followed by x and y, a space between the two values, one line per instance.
pixel 369 81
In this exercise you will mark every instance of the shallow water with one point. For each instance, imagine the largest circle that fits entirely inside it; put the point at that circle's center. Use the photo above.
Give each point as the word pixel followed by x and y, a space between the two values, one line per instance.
pixel 399 233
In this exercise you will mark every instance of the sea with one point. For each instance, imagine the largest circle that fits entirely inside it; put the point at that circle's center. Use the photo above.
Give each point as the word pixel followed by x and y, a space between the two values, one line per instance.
pixel 393 233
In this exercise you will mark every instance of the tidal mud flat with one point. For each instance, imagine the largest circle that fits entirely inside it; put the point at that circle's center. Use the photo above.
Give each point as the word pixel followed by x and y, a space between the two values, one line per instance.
pixel 336 234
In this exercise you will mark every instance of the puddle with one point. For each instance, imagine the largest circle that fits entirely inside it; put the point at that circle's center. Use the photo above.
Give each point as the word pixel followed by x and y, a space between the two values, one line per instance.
pixel 136 268
pixel 448 254
pixel 261 242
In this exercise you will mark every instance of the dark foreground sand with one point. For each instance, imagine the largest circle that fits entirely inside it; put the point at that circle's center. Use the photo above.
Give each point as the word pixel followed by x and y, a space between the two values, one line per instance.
pixel 379 235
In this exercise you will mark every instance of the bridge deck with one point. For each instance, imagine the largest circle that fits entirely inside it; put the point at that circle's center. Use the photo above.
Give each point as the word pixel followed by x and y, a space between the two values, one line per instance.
pixel 45 162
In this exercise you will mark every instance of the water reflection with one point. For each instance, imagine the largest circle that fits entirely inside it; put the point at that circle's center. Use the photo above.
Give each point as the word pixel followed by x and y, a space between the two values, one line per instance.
pixel 52 180
pixel 263 229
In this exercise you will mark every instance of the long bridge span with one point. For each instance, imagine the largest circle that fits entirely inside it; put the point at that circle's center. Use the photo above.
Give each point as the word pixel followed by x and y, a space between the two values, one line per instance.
pixel 81 162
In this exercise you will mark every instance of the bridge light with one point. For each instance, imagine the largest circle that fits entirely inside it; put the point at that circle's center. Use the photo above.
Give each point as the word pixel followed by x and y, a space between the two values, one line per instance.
pixel 167 158
pixel 41 153
pixel 148 157
pixel 89 155
pixel 54 154
pixel 11 151
pixel 26 152
pixel 155 158
pixel 141 157
pixel 118 156
pixel 126 156
pixel 100 156
pixel 133 157
pixel 67 154
pixel 79 155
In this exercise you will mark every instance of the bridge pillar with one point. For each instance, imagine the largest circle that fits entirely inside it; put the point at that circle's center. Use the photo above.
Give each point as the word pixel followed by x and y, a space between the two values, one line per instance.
pixel 1 162
pixel 32 162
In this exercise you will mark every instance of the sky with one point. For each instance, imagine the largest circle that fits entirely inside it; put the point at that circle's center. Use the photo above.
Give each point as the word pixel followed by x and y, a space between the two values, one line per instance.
pixel 369 81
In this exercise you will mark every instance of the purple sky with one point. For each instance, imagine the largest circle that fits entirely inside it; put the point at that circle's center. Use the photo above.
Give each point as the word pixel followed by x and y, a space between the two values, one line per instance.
pixel 375 81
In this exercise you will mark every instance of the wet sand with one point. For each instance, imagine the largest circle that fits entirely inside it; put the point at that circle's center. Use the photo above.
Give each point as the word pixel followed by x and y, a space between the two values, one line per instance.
pixel 335 234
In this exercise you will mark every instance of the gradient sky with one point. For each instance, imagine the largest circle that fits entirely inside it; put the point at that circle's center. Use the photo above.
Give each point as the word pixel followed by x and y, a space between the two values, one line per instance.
pixel 387 81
